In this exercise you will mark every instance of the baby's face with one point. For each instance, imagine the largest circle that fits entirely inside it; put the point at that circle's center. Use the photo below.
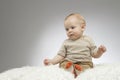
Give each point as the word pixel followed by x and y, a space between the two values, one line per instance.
pixel 73 28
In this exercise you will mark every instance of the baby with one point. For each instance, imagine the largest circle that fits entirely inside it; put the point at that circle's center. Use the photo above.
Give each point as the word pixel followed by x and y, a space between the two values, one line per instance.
pixel 76 52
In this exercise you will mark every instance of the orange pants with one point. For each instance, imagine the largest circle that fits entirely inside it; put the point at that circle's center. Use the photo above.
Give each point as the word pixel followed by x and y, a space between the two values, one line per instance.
pixel 75 68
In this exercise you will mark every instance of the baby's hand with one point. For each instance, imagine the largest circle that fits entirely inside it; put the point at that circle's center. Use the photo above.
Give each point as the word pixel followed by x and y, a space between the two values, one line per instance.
pixel 101 49
pixel 47 62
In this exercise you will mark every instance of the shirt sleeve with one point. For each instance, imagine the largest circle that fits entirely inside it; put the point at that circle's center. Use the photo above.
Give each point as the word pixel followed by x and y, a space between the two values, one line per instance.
pixel 62 51
pixel 93 47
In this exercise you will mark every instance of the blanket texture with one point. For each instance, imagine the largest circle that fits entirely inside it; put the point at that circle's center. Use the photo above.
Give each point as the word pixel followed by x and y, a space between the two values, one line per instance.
pixel 99 72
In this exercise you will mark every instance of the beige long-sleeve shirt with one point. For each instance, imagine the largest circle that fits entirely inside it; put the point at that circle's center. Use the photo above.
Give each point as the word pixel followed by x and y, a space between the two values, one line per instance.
pixel 79 50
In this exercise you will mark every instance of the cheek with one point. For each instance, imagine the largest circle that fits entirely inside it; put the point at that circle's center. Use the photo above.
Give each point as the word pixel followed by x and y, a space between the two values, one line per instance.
pixel 78 32
pixel 67 33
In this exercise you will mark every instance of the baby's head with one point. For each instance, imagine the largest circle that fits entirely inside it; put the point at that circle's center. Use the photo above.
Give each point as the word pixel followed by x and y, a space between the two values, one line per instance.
pixel 74 25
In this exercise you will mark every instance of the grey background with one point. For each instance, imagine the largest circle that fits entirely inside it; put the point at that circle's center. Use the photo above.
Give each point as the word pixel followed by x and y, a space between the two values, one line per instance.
pixel 31 30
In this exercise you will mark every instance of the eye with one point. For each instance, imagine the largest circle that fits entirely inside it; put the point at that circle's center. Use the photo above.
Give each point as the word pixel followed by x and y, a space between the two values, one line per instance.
pixel 72 27
pixel 66 29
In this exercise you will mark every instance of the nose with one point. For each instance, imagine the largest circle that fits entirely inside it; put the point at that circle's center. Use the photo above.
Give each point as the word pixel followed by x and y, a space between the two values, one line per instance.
pixel 70 30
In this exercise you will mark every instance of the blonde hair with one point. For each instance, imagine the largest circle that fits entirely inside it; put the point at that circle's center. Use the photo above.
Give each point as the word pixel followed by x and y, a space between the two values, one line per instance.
pixel 81 18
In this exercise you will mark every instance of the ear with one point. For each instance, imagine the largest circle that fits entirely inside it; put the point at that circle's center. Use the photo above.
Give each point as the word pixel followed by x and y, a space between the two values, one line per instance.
pixel 83 26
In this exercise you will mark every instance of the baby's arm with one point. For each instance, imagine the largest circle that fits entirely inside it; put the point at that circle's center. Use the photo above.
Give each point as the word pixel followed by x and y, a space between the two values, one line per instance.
pixel 100 51
pixel 53 61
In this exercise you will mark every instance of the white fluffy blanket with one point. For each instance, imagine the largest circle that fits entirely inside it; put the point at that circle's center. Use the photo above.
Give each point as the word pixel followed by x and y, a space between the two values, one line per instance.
pixel 99 72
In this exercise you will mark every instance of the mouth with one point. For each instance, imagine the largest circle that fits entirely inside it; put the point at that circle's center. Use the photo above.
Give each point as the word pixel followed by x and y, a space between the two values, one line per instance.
pixel 71 35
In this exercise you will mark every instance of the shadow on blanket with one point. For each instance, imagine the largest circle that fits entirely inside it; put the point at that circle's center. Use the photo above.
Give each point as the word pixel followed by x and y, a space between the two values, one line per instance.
pixel 99 72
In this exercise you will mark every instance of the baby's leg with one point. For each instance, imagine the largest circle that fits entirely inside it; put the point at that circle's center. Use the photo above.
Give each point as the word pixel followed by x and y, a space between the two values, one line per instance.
pixel 82 66
pixel 67 65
